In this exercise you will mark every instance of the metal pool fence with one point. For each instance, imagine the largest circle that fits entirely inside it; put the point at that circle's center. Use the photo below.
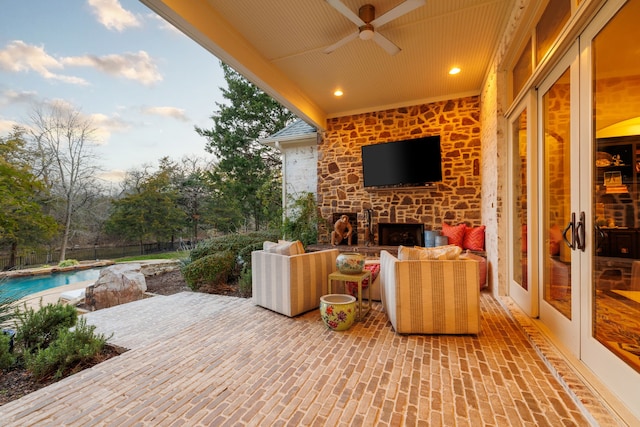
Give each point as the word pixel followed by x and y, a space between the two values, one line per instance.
pixel 90 253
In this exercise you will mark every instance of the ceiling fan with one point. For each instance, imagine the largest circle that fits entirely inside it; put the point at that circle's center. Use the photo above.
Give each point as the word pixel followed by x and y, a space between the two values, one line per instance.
pixel 368 23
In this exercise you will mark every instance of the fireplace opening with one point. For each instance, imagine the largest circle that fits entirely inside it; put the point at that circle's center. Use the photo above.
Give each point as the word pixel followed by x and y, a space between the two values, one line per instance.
pixel 396 234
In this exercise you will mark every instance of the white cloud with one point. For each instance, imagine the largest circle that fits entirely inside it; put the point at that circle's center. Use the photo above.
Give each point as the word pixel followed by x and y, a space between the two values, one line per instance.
pixel 134 66
pixel 112 15
pixel 176 113
pixel 163 24
pixel 17 56
pixel 105 126
pixel 115 175
pixel 6 126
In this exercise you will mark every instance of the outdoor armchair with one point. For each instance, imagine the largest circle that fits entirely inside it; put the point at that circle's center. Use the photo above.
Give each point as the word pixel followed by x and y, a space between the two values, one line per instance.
pixel 291 284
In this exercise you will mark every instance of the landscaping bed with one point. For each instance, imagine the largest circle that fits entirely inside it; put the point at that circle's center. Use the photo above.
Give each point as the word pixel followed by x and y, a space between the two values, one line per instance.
pixel 17 383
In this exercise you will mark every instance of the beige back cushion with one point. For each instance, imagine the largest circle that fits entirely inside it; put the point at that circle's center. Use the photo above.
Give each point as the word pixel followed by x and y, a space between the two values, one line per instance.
pixel 284 247
pixel 451 252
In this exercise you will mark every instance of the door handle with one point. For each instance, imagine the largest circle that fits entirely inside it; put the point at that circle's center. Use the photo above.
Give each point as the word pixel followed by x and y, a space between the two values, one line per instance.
pixel 580 232
pixel 571 226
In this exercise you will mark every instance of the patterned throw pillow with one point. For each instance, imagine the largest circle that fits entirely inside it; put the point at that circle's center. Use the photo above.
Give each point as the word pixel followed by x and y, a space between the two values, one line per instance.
pixel 455 233
pixel 284 248
pixel 474 238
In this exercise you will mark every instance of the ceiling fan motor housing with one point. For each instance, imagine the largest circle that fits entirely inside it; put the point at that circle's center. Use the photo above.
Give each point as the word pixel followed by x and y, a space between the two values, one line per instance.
pixel 367 13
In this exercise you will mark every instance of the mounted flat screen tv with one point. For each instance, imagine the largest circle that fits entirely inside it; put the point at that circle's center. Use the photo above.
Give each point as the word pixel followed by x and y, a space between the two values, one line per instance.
pixel 409 163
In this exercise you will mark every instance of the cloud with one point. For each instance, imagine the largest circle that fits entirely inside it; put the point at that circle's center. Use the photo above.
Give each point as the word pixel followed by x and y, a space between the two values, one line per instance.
pixel 134 66
pixel 112 15
pixel 11 97
pixel 115 175
pixel 6 126
pixel 163 24
pixel 105 126
pixel 176 113
pixel 17 56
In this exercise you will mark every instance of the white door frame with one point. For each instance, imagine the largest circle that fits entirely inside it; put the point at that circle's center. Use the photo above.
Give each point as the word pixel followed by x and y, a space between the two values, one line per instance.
pixel 566 330
pixel 527 299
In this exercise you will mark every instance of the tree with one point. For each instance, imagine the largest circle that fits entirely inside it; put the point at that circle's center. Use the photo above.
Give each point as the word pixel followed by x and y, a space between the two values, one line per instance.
pixel 246 169
pixel 194 190
pixel 22 220
pixel 63 138
pixel 149 210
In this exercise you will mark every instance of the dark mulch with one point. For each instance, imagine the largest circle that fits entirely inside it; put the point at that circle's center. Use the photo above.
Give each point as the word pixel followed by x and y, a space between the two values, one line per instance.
pixel 18 382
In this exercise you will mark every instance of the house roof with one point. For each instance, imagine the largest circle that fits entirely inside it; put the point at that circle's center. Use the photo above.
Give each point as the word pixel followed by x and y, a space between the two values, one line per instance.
pixel 298 132
pixel 279 46
pixel 296 129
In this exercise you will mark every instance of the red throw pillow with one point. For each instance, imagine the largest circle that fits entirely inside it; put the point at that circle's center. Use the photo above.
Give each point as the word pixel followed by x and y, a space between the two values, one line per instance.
pixel 474 238
pixel 455 233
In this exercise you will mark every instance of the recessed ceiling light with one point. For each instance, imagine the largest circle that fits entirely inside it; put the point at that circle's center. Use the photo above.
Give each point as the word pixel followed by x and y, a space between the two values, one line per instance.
pixel 338 92
pixel 454 70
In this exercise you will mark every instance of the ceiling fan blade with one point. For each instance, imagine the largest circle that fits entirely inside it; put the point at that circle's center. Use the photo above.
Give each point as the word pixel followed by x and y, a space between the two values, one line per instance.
pixel 341 42
pixel 397 12
pixel 348 13
pixel 386 44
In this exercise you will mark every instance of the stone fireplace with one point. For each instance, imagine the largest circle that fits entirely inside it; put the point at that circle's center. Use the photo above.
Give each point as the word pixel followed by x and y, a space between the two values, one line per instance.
pixel 456 199
pixel 394 234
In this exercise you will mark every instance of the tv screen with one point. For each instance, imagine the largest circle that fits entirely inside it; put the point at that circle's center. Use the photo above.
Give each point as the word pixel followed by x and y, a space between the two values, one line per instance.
pixel 410 163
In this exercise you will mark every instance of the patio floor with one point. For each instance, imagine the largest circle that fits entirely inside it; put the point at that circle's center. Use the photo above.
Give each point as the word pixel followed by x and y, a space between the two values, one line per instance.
pixel 198 359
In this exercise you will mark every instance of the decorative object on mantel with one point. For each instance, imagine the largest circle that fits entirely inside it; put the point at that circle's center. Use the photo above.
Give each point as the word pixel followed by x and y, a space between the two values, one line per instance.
pixel 350 263
pixel 338 311
pixel 342 230
pixel 441 241
pixel 430 238
pixel 368 231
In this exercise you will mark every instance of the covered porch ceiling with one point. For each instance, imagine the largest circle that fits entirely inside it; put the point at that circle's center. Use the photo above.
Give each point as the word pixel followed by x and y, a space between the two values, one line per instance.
pixel 279 46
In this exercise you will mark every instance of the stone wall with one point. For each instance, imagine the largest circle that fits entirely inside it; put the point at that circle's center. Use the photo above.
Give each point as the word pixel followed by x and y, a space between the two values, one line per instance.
pixel 456 199
pixel 494 101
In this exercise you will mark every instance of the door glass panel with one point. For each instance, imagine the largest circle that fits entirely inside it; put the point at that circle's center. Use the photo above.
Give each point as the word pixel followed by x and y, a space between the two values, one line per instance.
pixel 553 19
pixel 519 173
pixel 557 195
pixel 616 210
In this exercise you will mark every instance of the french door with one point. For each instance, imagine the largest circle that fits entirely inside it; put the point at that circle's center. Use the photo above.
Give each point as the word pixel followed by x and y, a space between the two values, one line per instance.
pixel 561 212
pixel 575 156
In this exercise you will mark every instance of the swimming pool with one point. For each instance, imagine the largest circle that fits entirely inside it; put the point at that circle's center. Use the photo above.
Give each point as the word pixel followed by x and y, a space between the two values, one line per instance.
pixel 19 287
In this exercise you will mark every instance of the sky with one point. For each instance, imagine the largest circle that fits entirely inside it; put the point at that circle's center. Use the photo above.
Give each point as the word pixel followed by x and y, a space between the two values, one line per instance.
pixel 142 83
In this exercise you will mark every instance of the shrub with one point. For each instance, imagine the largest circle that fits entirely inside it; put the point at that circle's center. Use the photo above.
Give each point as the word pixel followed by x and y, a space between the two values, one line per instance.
pixel 240 247
pixel 67 354
pixel 303 219
pixel 231 242
pixel 244 254
pixel 38 329
pixel 7 359
pixel 68 263
pixel 244 283
pixel 7 311
pixel 211 270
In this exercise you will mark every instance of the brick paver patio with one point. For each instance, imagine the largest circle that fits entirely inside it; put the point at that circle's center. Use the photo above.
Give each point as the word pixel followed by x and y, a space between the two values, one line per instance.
pixel 198 359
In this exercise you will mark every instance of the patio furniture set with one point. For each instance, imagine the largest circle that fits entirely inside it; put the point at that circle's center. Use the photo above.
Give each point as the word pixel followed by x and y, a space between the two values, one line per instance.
pixel 422 290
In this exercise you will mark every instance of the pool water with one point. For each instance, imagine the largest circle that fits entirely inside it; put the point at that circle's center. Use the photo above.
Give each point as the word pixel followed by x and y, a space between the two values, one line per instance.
pixel 22 286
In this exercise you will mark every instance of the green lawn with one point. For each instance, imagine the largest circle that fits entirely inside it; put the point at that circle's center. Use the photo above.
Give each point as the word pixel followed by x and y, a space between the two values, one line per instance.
pixel 167 255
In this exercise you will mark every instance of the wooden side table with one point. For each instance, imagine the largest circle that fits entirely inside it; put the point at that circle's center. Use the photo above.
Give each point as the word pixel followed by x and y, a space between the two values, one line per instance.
pixel 358 278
